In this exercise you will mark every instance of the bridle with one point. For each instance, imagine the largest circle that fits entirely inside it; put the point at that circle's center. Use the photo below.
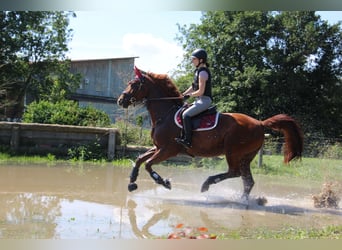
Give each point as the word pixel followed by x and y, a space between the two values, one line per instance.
pixel 137 85
pixel 141 79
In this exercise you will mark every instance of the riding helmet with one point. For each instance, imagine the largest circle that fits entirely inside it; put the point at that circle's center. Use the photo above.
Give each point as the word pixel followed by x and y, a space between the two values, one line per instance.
pixel 200 54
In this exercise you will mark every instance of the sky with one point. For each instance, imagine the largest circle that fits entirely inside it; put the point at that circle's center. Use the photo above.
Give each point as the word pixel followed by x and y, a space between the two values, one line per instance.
pixel 148 35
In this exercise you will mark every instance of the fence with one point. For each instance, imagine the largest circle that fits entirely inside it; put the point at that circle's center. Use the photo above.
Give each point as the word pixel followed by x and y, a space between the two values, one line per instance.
pixel 56 139
pixel 34 138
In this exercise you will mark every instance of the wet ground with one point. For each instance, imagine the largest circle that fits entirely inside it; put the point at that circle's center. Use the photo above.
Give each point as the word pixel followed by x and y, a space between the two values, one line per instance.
pixel 91 202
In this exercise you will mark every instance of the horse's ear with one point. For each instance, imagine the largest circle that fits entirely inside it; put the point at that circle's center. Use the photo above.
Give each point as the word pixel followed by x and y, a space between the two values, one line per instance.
pixel 138 73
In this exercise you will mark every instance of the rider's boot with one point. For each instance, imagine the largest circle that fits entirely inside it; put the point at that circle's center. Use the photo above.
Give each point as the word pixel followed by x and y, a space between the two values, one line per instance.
pixel 187 126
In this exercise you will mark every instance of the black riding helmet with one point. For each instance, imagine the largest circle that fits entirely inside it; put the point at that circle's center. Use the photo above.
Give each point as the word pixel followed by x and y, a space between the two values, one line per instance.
pixel 200 54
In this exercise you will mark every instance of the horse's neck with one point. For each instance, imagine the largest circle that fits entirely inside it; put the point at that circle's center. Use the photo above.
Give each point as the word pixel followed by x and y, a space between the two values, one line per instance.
pixel 160 109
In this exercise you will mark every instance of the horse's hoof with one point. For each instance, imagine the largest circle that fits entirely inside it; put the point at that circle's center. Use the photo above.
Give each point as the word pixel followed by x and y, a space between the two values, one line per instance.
pixel 245 199
pixel 132 187
pixel 167 184
pixel 205 187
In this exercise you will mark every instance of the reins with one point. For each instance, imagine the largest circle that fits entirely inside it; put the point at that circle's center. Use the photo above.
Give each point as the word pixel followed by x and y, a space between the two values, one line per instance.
pixel 164 98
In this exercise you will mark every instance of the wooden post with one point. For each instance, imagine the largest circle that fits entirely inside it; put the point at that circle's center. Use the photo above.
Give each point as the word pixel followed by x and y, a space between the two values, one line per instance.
pixel 261 151
pixel 15 138
pixel 111 144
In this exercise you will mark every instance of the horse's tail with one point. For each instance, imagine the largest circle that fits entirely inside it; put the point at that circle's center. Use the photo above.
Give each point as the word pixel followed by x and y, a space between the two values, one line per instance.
pixel 293 134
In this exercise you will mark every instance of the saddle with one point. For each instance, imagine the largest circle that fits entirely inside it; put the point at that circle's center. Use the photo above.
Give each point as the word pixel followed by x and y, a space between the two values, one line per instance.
pixel 206 120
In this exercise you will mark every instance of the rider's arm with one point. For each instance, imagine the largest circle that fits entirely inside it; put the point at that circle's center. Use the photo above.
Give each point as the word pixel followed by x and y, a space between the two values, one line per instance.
pixel 203 77
pixel 188 91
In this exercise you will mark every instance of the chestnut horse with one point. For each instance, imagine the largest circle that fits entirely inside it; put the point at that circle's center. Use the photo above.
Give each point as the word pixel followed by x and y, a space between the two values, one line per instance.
pixel 237 136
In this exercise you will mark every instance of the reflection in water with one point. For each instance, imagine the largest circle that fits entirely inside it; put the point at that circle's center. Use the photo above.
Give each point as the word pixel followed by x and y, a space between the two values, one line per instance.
pixel 144 231
pixel 84 202
pixel 28 215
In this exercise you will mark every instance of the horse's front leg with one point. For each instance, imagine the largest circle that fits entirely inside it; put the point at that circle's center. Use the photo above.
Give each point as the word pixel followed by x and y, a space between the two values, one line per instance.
pixel 159 156
pixel 135 171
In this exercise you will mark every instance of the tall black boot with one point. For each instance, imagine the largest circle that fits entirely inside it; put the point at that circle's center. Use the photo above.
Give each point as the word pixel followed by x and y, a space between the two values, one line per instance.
pixel 187 126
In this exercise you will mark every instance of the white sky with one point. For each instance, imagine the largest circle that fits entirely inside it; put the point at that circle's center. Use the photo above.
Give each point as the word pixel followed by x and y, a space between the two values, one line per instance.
pixel 147 35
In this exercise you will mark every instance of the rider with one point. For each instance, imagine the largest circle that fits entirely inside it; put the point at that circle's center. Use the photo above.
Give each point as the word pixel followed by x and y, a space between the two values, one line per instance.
pixel 201 89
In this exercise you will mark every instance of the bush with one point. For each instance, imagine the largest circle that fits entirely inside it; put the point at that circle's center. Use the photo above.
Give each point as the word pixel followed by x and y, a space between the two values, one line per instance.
pixel 65 112
pixel 133 134
pixel 92 151
pixel 333 151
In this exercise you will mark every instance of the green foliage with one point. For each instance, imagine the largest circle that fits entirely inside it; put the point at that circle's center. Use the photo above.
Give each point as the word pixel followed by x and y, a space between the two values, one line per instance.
pixel 32 58
pixel 66 113
pixel 92 151
pixel 133 134
pixel 333 151
pixel 184 81
pixel 328 232
pixel 264 63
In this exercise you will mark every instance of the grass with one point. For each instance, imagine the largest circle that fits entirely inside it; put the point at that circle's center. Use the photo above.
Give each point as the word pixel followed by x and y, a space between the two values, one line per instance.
pixel 306 168
pixel 293 233
pixel 22 159
pixel 316 169
pixel 289 233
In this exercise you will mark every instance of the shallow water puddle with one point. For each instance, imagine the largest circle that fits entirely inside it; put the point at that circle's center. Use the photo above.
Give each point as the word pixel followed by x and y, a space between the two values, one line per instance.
pixel 90 202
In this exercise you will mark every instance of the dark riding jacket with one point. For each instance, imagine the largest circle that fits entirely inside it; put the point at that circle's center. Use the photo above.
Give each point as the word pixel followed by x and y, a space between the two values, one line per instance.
pixel 195 84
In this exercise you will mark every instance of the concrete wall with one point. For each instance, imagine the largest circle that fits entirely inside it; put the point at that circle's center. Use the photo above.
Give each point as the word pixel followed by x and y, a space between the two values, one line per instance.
pixel 35 138
pixel 41 139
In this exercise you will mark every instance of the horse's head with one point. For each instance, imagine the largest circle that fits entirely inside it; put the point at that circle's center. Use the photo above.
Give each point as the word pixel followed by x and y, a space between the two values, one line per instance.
pixel 134 92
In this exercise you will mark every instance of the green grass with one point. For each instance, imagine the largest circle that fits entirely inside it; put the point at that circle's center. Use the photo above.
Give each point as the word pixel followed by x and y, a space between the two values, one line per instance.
pixel 328 232
pixel 7 158
pixel 124 162
pixel 306 168
pixel 316 169
pixel 287 232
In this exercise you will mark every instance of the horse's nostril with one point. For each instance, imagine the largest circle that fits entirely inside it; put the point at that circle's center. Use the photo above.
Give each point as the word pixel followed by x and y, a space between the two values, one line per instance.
pixel 119 101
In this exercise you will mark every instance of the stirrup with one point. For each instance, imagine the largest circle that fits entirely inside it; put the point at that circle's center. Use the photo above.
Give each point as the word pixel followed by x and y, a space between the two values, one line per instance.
pixel 184 142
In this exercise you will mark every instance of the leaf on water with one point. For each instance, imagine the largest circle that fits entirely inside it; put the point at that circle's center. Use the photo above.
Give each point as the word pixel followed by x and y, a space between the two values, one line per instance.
pixel 180 225
pixel 202 229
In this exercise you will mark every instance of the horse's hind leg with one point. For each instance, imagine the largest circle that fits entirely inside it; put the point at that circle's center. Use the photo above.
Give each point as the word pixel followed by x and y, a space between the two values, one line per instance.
pixel 135 171
pixel 246 175
pixel 233 171
pixel 248 184
pixel 238 166
pixel 217 178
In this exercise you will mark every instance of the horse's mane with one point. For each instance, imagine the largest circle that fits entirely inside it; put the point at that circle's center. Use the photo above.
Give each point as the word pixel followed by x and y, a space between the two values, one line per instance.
pixel 164 81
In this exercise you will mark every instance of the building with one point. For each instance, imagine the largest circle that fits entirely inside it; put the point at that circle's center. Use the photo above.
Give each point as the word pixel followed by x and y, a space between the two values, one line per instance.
pixel 103 80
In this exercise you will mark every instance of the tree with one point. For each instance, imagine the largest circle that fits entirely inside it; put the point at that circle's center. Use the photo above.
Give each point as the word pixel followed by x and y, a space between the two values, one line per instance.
pixel 307 56
pixel 32 58
pixel 265 63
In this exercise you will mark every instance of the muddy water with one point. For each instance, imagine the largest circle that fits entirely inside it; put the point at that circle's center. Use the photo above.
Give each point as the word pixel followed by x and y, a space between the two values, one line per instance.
pixel 85 202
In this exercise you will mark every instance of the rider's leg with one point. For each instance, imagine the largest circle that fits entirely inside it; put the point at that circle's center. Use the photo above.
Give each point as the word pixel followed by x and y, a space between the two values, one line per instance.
pixel 187 127
pixel 201 104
